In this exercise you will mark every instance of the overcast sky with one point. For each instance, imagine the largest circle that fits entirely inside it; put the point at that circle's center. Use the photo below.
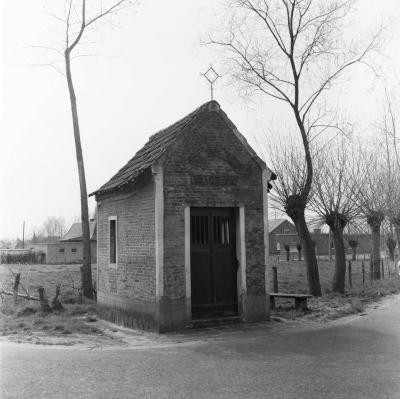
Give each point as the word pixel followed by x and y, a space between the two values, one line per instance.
pixel 147 76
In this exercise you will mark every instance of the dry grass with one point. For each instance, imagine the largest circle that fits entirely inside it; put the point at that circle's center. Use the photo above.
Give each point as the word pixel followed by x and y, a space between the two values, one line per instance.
pixel 26 320
pixel 292 279
pixel 48 276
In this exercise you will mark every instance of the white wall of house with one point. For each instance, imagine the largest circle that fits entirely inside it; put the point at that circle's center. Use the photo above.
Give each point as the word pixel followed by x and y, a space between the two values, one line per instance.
pixel 64 252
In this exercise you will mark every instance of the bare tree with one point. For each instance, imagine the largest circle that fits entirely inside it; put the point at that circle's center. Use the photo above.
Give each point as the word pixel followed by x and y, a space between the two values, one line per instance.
pixel 78 20
pixel 391 245
pixel 287 250
pixel 289 165
pixel 336 187
pixel 389 146
pixel 291 50
pixel 353 245
pixel 54 227
pixel 299 248
pixel 372 202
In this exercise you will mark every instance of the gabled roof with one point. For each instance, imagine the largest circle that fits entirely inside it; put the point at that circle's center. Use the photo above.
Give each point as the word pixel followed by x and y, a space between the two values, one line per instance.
pixel 274 223
pixel 159 143
pixel 75 232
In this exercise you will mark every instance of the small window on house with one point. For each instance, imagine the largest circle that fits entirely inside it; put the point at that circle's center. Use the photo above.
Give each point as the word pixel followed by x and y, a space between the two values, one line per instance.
pixel 61 250
pixel 113 240
pixel 73 250
pixel 286 231
pixel 278 246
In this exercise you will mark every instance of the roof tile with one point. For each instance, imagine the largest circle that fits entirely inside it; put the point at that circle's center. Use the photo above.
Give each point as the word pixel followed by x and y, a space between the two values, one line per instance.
pixel 150 153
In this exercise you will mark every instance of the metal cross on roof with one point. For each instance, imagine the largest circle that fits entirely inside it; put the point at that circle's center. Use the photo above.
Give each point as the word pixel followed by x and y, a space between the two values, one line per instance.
pixel 211 75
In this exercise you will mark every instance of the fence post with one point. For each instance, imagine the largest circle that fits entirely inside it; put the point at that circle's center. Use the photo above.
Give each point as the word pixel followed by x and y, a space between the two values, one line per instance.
pixel 350 273
pixel 44 302
pixel 16 284
pixel 56 301
pixel 363 272
pixel 371 272
pixel 383 270
pixel 275 278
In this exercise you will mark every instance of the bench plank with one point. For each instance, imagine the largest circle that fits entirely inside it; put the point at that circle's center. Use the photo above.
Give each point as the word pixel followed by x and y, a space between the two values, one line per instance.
pixel 284 295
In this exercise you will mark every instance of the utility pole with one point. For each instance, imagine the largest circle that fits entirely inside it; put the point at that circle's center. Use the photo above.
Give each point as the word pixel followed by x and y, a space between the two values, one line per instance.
pixel 23 234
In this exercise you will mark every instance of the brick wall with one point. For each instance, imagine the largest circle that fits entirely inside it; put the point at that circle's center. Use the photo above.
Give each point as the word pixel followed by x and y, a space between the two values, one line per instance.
pixel 133 278
pixel 209 167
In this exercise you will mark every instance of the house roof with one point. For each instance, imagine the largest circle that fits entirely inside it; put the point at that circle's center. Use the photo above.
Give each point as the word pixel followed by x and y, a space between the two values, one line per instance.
pixel 159 143
pixel 274 223
pixel 75 232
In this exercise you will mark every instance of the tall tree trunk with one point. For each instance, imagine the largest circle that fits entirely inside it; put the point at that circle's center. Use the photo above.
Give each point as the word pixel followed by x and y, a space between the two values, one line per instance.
pixel 354 256
pixel 339 277
pixel 299 253
pixel 295 208
pixel 397 230
pixel 375 220
pixel 87 263
pixel 391 254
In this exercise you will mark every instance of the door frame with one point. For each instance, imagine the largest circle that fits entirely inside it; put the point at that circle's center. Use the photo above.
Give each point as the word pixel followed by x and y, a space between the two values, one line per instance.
pixel 239 213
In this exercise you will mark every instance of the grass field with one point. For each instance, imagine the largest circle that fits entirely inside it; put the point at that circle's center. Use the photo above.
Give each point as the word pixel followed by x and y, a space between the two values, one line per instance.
pixel 48 276
pixel 27 321
pixel 292 278
pixel 292 275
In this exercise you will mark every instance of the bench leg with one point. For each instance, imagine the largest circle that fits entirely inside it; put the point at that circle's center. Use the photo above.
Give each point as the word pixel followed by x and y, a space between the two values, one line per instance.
pixel 272 302
pixel 300 303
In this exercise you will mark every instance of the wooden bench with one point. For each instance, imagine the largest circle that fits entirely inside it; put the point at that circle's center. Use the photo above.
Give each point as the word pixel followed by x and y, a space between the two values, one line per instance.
pixel 300 300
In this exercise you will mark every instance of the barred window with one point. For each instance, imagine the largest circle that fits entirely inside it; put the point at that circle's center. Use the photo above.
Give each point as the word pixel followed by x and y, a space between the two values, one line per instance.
pixel 113 239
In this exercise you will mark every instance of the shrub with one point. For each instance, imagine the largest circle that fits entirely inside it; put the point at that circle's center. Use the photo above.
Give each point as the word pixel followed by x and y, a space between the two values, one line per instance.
pixel 26 311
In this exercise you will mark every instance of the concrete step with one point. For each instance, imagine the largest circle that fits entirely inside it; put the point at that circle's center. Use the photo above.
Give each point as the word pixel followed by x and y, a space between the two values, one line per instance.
pixel 214 322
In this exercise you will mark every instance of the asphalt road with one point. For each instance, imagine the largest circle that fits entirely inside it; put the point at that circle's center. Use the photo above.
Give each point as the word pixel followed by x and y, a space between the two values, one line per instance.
pixel 357 358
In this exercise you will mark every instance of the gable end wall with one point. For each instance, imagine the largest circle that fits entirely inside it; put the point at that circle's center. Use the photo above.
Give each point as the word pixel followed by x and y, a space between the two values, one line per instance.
pixel 210 167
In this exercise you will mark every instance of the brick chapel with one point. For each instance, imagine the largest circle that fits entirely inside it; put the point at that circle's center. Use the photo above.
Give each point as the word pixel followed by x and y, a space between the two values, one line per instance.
pixel 182 228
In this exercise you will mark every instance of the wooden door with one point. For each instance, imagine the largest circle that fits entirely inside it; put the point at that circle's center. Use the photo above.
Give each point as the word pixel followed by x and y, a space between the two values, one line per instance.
pixel 213 262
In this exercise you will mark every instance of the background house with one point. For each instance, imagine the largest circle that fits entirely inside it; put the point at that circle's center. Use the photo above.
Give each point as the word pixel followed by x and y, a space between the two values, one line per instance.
pixel 282 232
pixel 277 229
pixel 74 237
pixel 69 249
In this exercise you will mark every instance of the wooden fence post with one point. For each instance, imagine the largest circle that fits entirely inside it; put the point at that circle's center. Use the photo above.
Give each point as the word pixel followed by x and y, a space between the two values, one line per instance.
pixel 350 273
pixel 16 284
pixel 363 272
pixel 41 295
pixel 44 302
pixel 56 303
pixel 371 272
pixel 383 269
pixel 275 278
